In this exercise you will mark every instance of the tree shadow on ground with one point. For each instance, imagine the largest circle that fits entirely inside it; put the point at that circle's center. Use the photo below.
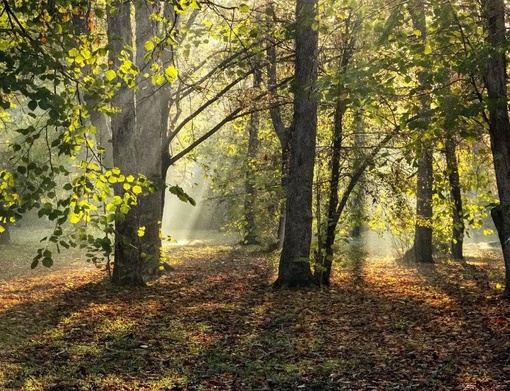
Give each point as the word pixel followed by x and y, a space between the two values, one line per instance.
pixel 215 324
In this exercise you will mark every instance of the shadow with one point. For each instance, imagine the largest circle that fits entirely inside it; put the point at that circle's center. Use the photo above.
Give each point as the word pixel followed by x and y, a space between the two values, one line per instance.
pixel 215 323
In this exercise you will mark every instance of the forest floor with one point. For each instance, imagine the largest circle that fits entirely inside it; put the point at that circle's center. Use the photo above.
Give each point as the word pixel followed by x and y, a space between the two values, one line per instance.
pixel 214 323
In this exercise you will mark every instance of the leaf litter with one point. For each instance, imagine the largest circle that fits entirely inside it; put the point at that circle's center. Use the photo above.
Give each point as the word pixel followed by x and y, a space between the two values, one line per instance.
pixel 214 323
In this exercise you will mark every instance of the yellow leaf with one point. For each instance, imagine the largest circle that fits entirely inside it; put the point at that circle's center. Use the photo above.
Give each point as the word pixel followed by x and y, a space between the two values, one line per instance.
pixel 141 231
pixel 137 189
pixel 74 218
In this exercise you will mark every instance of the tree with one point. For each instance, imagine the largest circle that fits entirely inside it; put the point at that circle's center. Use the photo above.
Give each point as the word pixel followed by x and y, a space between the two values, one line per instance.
pixel 422 245
pixel 294 267
pixel 499 122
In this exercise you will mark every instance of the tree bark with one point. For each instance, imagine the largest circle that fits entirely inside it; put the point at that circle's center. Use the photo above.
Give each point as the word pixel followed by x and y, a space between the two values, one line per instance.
pixel 456 197
pixel 250 229
pixel 294 267
pixel 422 245
pixel 333 212
pixel 137 138
pixel 282 131
pixel 499 122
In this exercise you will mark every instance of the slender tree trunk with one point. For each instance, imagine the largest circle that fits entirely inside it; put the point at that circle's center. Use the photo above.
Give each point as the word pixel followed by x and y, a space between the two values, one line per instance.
pixel 294 268
pixel 456 196
pixel 250 232
pixel 358 203
pixel 333 212
pixel 282 132
pixel 499 121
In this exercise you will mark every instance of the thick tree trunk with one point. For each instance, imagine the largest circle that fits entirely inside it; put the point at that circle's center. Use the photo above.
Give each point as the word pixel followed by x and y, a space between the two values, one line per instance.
pixel 423 228
pixel 499 121
pixel 456 196
pixel 128 266
pixel 422 246
pixel 294 268
pixel 151 127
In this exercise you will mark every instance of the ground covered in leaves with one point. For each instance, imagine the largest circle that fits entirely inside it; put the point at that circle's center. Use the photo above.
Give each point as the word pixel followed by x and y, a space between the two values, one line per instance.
pixel 214 323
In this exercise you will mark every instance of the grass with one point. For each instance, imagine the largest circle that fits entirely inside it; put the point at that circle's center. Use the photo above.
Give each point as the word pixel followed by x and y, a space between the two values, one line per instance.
pixel 215 323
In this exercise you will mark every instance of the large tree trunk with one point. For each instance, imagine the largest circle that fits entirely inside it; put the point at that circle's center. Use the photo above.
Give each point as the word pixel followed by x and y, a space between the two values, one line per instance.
pixel 423 227
pixel 128 263
pixel 151 127
pixel 422 245
pixel 499 121
pixel 137 140
pixel 294 268
pixel 456 196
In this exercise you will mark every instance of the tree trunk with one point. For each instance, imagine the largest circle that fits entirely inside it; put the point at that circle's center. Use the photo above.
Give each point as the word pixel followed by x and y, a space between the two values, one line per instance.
pixel 326 259
pixel 250 231
pixel 423 227
pixel 456 196
pixel 294 268
pixel 282 132
pixel 128 266
pixel 499 121
pixel 422 246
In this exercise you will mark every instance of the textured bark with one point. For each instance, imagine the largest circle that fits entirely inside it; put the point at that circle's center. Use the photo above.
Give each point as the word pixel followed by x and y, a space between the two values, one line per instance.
pixel 137 140
pixel 128 265
pixel 456 196
pixel 499 121
pixel 422 245
pixel 294 267
pixel 423 228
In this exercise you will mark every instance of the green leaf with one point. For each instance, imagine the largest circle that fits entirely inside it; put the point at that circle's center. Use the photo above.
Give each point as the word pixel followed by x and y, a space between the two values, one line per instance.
pixel 171 73
pixel 244 8
pixel 47 262
pixel 149 46
pixel 110 75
